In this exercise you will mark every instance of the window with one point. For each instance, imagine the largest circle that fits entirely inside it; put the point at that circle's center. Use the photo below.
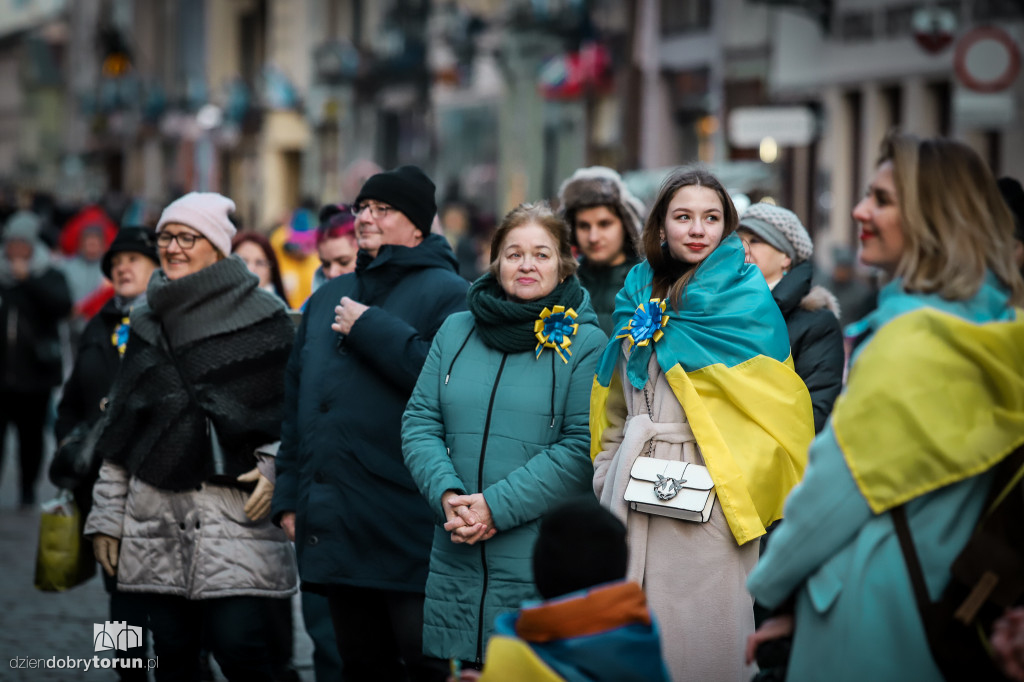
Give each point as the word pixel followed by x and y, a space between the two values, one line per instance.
pixel 899 21
pixel 685 16
pixel 997 10
pixel 856 26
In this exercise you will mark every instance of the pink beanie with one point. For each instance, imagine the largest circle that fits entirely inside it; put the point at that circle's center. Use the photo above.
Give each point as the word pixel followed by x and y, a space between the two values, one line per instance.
pixel 206 212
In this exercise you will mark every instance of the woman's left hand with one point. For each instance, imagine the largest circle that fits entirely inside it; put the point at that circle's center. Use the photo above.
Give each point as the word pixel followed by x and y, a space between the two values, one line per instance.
pixel 474 522
pixel 258 505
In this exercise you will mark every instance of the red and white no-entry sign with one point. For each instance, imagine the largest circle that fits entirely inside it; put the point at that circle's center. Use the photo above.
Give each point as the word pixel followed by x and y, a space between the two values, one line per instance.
pixel 987 59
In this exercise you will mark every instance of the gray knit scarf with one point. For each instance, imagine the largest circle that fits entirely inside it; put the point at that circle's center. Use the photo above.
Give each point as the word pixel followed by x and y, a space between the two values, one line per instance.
pixel 220 298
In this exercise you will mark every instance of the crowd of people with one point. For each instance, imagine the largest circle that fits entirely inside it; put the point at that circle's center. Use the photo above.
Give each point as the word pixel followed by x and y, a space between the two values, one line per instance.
pixel 591 462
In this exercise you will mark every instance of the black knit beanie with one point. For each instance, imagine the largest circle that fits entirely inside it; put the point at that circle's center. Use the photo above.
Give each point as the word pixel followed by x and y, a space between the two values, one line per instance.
pixel 581 544
pixel 135 239
pixel 407 189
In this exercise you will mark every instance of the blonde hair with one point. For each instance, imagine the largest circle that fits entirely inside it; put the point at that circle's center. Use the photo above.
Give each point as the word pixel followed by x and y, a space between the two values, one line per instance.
pixel 539 213
pixel 955 223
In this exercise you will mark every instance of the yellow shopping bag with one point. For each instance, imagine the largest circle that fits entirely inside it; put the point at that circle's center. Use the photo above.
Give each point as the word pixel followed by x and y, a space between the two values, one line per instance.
pixel 64 558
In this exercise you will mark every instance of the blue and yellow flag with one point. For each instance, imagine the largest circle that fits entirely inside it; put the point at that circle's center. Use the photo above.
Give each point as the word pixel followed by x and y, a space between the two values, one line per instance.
pixel 726 355
pixel 934 397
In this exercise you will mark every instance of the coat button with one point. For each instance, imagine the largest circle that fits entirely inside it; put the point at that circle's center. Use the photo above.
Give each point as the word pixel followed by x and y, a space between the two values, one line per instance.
pixel 313 540
pixel 324 407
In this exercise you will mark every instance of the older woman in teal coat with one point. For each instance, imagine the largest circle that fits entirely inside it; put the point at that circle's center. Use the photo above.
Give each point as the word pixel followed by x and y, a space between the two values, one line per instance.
pixel 496 431
pixel 915 428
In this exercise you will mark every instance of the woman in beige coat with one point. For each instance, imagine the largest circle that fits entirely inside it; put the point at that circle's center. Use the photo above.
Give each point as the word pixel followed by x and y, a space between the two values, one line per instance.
pixel 700 373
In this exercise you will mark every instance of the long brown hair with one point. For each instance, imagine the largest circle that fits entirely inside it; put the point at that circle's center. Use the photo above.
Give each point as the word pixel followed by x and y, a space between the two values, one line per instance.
pixel 954 220
pixel 667 281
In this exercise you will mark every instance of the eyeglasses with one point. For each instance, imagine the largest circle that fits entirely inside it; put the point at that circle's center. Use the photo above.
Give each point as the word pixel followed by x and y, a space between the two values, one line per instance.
pixel 186 240
pixel 378 211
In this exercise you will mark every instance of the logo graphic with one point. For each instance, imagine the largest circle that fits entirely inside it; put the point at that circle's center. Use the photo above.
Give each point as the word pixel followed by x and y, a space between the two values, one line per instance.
pixel 116 635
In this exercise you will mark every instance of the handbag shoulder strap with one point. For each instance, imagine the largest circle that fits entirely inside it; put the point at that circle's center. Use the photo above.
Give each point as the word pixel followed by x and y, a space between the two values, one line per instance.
pixel 899 522
pixel 174 358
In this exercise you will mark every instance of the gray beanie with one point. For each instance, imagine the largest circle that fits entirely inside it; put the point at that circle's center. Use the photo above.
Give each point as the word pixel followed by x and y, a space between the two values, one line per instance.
pixel 23 225
pixel 780 228
pixel 601 186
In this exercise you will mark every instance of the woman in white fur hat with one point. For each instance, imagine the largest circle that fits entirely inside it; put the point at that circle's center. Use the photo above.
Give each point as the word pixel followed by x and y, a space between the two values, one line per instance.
pixel 778 244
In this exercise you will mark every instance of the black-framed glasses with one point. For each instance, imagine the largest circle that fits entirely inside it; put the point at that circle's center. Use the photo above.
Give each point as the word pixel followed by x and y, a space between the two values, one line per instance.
pixel 186 240
pixel 378 211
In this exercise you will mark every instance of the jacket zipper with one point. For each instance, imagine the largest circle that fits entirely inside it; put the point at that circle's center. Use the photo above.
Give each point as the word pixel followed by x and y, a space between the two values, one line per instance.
pixel 480 486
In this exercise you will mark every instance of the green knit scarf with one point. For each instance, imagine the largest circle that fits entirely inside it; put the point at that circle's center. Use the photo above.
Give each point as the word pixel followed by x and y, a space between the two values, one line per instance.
pixel 507 325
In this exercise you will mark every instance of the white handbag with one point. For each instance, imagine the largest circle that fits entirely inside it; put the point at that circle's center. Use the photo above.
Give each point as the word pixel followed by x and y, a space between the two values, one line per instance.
pixel 670 488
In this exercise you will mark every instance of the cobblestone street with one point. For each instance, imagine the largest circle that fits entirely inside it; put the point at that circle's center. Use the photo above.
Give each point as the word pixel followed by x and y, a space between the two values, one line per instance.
pixel 41 625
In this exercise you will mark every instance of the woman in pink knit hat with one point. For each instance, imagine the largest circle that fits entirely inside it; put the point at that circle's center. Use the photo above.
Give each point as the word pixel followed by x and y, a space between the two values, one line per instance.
pixel 180 509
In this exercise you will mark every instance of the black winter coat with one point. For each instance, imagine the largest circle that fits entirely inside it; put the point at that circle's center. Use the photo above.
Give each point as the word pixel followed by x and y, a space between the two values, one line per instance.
pixel 815 337
pixel 93 374
pixel 30 311
pixel 360 519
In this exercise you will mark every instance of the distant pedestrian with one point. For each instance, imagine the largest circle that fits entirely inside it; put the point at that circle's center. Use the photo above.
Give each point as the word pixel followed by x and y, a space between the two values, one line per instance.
pixel 255 251
pixel 606 220
pixel 915 435
pixel 496 431
pixel 362 532
pixel 83 240
pixel 34 299
pixel 776 242
pixel 335 243
pixel 176 516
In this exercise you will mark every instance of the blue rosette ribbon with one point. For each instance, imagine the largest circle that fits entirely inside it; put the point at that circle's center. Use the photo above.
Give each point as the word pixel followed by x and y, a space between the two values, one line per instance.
pixel 555 330
pixel 646 325
pixel 120 336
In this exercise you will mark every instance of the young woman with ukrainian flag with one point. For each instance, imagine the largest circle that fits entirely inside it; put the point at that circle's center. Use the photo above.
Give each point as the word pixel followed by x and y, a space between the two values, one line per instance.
pixel 934 400
pixel 700 371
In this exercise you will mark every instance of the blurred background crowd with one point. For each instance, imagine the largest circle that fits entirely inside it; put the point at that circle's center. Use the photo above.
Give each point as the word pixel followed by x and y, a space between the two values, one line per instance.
pixel 286 105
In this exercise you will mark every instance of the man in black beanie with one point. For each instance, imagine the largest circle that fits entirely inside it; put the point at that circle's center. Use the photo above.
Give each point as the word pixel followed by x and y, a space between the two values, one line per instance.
pixel 362 531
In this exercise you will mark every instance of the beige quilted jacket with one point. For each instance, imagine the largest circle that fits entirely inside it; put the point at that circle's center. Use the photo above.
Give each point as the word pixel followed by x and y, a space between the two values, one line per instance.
pixel 196 544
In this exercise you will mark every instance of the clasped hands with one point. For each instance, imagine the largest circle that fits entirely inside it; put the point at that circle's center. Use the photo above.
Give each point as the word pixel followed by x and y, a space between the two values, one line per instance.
pixel 469 517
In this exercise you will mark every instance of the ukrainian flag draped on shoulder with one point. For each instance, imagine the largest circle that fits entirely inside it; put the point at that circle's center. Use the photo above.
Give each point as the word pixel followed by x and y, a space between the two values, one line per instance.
pixel 935 395
pixel 726 355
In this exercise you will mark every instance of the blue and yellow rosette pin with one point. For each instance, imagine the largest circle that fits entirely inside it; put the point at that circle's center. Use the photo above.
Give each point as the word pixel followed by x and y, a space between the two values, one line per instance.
pixel 555 330
pixel 120 336
pixel 647 324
